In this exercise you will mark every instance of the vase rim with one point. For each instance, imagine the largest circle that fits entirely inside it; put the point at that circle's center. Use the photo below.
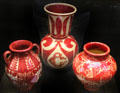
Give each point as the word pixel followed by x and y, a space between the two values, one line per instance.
pixel 100 45
pixel 64 4
pixel 20 43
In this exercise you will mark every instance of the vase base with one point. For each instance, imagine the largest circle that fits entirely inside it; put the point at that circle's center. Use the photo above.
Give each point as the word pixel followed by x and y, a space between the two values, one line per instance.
pixel 91 89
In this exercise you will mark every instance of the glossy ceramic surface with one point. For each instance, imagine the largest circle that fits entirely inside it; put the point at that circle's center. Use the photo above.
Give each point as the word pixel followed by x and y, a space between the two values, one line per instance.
pixel 59 48
pixel 58 52
pixel 94 68
pixel 23 66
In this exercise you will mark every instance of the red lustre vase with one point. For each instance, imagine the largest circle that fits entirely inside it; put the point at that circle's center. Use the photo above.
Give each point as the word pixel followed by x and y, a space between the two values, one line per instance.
pixel 59 48
pixel 23 66
pixel 94 66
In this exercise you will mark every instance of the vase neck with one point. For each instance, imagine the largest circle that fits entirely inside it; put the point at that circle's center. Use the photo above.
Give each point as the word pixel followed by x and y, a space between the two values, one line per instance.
pixel 96 58
pixel 60 26
pixel 21 46
pixel 60 18
pixel 97 50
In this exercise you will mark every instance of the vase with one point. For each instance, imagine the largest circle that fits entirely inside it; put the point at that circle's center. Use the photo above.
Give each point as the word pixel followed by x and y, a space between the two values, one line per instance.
pixel 23 66
pixel 58 48
pixel 94 66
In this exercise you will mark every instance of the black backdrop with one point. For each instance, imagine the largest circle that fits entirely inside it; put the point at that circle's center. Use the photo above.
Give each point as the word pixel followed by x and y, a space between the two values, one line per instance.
pixel 95 20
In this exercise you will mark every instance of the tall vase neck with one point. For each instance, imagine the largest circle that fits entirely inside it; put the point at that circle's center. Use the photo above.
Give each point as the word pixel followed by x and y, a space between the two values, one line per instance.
pixel 60 26
pixel 60 18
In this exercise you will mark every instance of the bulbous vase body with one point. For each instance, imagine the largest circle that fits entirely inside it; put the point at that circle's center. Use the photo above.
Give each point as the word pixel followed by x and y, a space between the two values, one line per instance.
pixel 58 53
pixel 59 48
pixel 94 66
pixel 23 66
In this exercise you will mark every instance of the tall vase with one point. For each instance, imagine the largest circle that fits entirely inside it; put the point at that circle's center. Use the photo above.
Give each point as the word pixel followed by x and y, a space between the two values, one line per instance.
pixel 23 66
pixel 94 66
pixel 59 48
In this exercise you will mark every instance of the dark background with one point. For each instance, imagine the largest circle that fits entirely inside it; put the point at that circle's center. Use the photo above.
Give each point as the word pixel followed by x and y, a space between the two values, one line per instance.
pixel 95 20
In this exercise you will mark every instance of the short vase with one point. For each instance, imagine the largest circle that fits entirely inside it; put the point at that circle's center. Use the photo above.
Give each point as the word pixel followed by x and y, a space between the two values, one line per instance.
pixel 94 66
pixel 23 66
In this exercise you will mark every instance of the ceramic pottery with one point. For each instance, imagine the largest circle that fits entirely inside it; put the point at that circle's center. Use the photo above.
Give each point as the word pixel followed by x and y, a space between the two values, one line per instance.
pixel 94 66
pixel 59 48
pixel 23 66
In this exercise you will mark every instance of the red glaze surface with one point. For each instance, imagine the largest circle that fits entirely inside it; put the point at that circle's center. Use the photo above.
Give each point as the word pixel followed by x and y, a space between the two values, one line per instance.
pixel 92 69
pixel 58 52
pixel 23 66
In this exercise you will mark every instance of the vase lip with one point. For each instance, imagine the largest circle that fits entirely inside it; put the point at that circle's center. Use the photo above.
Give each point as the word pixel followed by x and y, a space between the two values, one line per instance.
pixel 15 44
pixel 65 4
pixel 100 45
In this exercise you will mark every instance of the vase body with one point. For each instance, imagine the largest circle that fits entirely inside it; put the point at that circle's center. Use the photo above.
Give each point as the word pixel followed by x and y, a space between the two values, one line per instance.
pixel 93 67
pixel 59 48
pixel 23 66
pixel 58 53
